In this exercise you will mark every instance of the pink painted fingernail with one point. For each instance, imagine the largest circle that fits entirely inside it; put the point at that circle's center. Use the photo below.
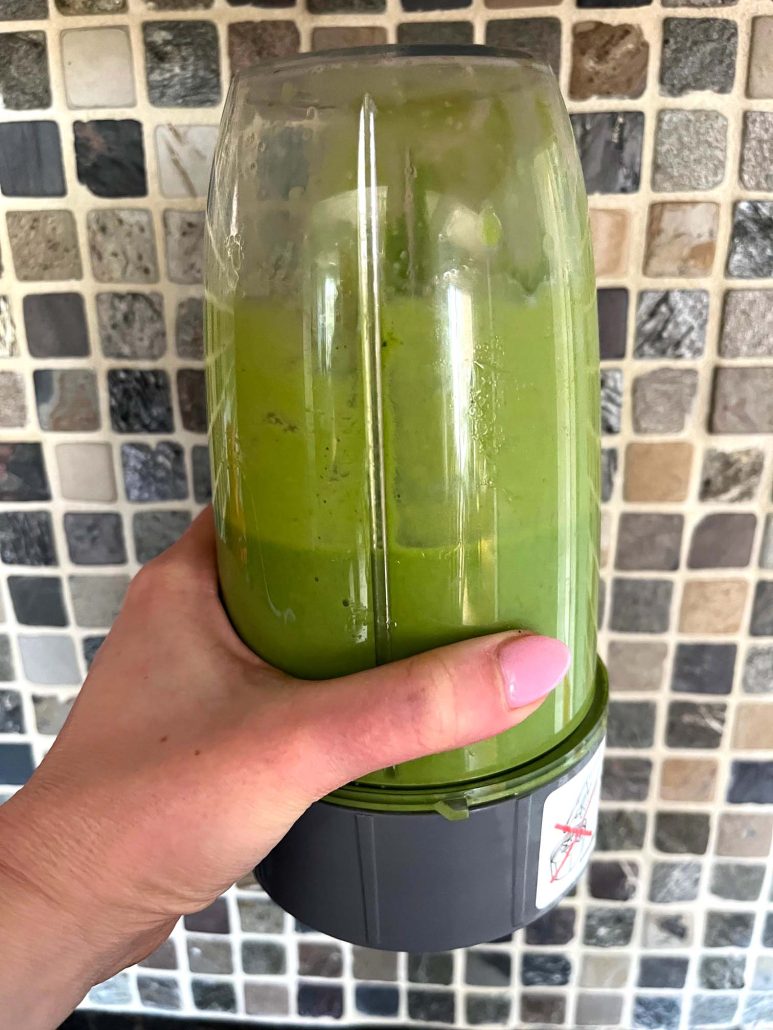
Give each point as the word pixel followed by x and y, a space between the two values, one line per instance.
pixel 532 666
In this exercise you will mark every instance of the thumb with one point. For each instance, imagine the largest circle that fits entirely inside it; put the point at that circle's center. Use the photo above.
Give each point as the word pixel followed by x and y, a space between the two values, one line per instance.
pixel 433 702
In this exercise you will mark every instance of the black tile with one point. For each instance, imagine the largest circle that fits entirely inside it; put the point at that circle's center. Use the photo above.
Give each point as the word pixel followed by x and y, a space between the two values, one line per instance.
pixel 671 324
pixel 674 881
pixel 728 929
pixel 320 959
pixel 679 833
pixel 431 1006
pixel 27 538
pixel 154 531
pixel 320 1001
pixel 620 829
pixel 545 970
pixel 11 715
pixel 213 995
pixel 444 33
pixel 613 881
pixel 31 160
pixel 767 931
pixel 212 919
pixel 56 325
pixel 487 968
pixel 658 971
pixel 110 157
pixel 610 147
pixel 140 400
pixel 38 600
pixel 751 245
pixel 609 927
pixel 182 63
pixel 543 1008
pixel 193 399
pixel 375 1000
pixel 434 5
pixel 16 764
pixel 695 724
pixel 611 399
pixel 703 668
pixel 264 958
pixel 202 484
pixel 24 81
pixel 648 541
pixel 737 881
pixel 554 927
pixel 346 6
pixel 159 992
pixel 762 611
pixel 23 473
pixel 613 320
pixel 750 783
pixel 609 466
pixel 540 37
pixel 95 538
pixel 698 54
pixel 481 1009
pixel 626 779
pixel 656 1012
pixel 722 972
pixel 431 968
pixel 154 473
pixel 641 605
pixel 90 647
pixel 189 329
pixel 631 724
pixel 131 325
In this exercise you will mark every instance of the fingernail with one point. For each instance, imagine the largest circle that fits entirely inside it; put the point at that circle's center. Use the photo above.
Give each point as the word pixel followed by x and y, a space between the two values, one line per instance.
pixel 532 666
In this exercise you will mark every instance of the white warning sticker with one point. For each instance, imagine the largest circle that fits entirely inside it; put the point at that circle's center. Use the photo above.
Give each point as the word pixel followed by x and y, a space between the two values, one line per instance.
pixel 569 820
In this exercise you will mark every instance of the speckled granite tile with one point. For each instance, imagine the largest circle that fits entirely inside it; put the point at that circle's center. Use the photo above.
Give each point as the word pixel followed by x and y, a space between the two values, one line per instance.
pixel 140 400
pixel 44 244
pixel 743 400
pixel 91 7
pixel 13 401
pixel 189 329
pixel 182 63
pixel 24 76
pixel 747 324
pixel 751 244
pixel 757 151
pixel 698 54
pixel 23 10
pixel 184 240
pixel 671 323
pixel 249 42
pixel 446 33
pixel 122 246
pixel 760 79
pixel 9 341
pixel 690 149
pixel 154 473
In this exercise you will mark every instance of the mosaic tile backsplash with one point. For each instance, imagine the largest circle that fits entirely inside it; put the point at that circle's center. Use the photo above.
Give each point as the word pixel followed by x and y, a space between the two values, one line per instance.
pixel 107 128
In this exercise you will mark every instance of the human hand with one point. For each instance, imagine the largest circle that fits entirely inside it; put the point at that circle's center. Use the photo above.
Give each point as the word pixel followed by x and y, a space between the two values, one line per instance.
pixel 186 758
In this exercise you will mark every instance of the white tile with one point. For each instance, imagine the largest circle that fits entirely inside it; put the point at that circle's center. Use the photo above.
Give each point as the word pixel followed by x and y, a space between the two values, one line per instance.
pixel 184 158
pixel 50 660
pixel 86 471
pixel 98 68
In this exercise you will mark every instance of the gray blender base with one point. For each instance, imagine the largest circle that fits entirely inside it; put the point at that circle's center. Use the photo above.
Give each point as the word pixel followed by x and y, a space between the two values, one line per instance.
pixel 416 881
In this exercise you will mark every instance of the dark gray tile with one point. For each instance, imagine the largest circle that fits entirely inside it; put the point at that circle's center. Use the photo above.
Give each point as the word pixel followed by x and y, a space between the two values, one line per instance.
pixel 158 992
pixel 722 541
pixel 540 37
pixel 31 160
pixel 320 959
pixel 613 881
pixel 23 473
pixel 674 882
pixel 6 660
pixel 154 531
pixel 213 995
pixel 110 157
pixel 659 971
pixel 320 1001
pixel 140 400
pixel 750 783
pixel 757 153
pixel 189 329
pixel 377 1000
pixel 262 915
pixel 703 668
pixel 210 955
pixel 202 486
pixel 762 611
pixel 250 42
pixel 67 399
pixel 545 1009
pixel 631 724
pixel 641 605
pixel 431 968
pixel 722 972
pixel 445 33
pixel 27 538
pixel 609 467
pixel 192 396
pixel 751 245
pixel 626 779
pixel 487 1009
pixel 182 63
pixel 56 325
pixel 23 10
pixel 609 927
pixel 38 600
pixel 90 7
pixel 11 715
pixel 666 929
pixel 164 957
pixel 264 958
pixel 611 399
pixel 648 541
pixel 610 147
pixel 698 54
pixel 743 400
pixel 543 969
pixel 613 320
pixel 758 671
pixel 656 1012
pixel 24 80
pixel 732 475
pixel 154 473
pixel 671 323
pixel 487 968
pixel 346 6
pixel 747 324
pixel 663 400
pixel 95 538
pixel 212 919
pixel 728 929
pixel 16 764
pixel 131 325
pixel 737 881
pixel 695 724
pixel 90 647
pixel 554 927
pixel 682 832
pixel 97 600
pixel 620 829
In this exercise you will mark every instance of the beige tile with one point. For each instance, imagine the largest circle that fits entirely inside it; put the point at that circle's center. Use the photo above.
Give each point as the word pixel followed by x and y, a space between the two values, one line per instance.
pixel 745 835
pixel 607 970
pixel 610 231
pixel 688 779
pixel 604 538
pixel 712 606
pixel 98 68
pixel 86 471
pixel 333 37
pixel 681 239
pixel 657 471
pixel 753 727
pixel 608 60
pixel 760 81
pixel 636 664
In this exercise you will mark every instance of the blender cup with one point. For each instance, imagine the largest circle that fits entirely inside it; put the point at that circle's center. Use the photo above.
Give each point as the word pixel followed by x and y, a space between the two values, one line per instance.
pixel 402 373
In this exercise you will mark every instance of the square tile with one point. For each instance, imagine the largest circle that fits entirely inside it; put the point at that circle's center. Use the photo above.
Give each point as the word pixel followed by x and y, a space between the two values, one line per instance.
pixel 250 42
pixel 758 671
pixel 710 1009
pixel 540 37
pixel 49 660
pixel 747 324
pixel 122 246
pixel 11 715
pixel 554 927
pixel 695 724
pixel 38 600
pixel 158 992
pixel 115 991
pixel 703 668
pixel 202 486
pixel 90 7
pixel 688 779
pixel 213 995
pixel 16 764
pixel 262 915
pixel 751 243
pixel 659 971
pixel 605 970
pixel 185 154
pixel 44 245
pixel 86 471
pixel 636 664
pixel 649 541
pixel 545 1009
pixel 682 832
pixel 370 964
pixel 722 541
pixel 609 927
pixel 611 235
pixel 344 36
pixel 182 63
pixel 446 33
pixel 31 160
pixel 131 325
pixel 140 400
pixel 55 324
pixel 722 973
pixel 23 473
pixel 690 149
pixel 760 80
pixel 27 538
pixel 681 239
pixel 24 76
pixel 264 958
pixel 155 531
pixel 193 401
pixel 320 1001
pixel 96 600
pixel 95 538
pixel 212 919
pixel 611 399
pixel 319 959
pixel 609 881
pixel 9 342
pixel 750 783
pixel 598 1010
pixel 110 157
pixel 762 611
pixel 630 724
pixel 731 475
pixel 97 66
pixel 487 968
pixel 744 836
pixel 541 969
pixel 67 399
pixel 23 10
pixel 757 152
pixel 656 1010
pixel 608 61
pixel 712 606
pixel 663 400
pixel 667 929
pixel 698 54
pixel 184 241
pixel 189 329
pixel 264 999
pixel 743 400
pixel 50 713
pixel 13 402
pixel 728 929
pixel 154 473
pixel 431 968
pixel 612 305
pixel 672 882
pixel 640 605
pixel 610 147
pixel 7 672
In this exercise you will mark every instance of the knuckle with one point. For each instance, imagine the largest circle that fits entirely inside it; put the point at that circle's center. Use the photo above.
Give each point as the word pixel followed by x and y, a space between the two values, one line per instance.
pixel 431 702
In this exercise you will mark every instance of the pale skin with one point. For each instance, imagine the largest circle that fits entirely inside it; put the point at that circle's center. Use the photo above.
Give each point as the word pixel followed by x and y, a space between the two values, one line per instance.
pixel 184 760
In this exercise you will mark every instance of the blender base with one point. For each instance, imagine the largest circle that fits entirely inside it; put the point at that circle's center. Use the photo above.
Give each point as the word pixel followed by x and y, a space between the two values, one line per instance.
pixel 418 881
